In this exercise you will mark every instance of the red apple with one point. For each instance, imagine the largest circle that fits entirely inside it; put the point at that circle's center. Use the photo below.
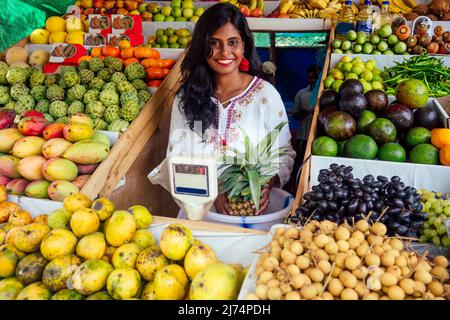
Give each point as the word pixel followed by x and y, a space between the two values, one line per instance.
pixel 245 11
pixel 257 12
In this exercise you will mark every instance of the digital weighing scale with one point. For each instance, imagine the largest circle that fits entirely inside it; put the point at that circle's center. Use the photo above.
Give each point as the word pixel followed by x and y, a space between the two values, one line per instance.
pixel 193 183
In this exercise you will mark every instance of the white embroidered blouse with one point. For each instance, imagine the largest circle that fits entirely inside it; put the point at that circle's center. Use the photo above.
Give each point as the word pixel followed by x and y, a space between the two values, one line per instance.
pixel 257 111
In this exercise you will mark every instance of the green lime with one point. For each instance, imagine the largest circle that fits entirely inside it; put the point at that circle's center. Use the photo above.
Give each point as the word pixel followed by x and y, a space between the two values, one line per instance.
pixel 361 146
pixel 417 136
pixel 366 118
pixel 392 151
pixel 325 146
pixel 424 153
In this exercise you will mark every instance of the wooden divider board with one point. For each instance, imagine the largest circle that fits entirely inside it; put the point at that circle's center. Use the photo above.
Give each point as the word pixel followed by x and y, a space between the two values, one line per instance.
pixel 304 181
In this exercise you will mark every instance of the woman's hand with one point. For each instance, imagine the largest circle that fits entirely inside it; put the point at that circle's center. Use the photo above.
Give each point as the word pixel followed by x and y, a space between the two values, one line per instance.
pixel 265 193
pixel 222 204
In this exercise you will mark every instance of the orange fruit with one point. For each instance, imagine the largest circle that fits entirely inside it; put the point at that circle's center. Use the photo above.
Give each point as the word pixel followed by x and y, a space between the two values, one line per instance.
pixel 440 137
pixel 124 44
pixel 444 155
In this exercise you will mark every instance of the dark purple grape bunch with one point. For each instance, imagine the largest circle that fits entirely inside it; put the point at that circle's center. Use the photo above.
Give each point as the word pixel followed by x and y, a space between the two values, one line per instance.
pixel 341 197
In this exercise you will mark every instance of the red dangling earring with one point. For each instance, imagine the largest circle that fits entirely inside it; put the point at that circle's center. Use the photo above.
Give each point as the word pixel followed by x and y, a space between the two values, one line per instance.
pixel 244 65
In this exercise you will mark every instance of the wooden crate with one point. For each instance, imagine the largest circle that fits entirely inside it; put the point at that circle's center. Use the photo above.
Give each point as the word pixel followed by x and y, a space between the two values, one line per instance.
pixel 304 181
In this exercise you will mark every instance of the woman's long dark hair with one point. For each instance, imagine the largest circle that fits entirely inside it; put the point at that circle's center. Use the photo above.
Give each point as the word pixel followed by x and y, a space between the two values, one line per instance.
pixel 198 81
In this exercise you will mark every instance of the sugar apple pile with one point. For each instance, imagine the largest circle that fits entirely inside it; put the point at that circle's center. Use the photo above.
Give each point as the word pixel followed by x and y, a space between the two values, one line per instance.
pixel 110 93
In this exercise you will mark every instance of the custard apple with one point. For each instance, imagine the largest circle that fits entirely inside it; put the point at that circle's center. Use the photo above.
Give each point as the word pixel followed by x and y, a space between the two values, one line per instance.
pixel 135 71
pixel 83 65
pixel 95 64
pixel 110 86
pixel 130 111
pixel 64 120
pixel 42 106
pixel 128 96
pixel 16 75
pixel 100 124
pixel 97 84
pixel 70 78
pixel 104 74
pixel 91 96
pixel 39 93
pixel 144 95
pixel 10 105
pixel 75 107
pixel 27 101
pixel 76 92
pixel 86 76
pixel 65 69
pixel 3 72
pixel 58 109
pixel 113 63
pixel 48 117
pixel 139 84
pixel 118 77
pixel 118 125
pixel 95 109
pixel 37 78
pixel 4 95
pixel 18 90
pixel 51 79
pixel 125 86
pixel 109 98
pixel 55 92
pixel 112 113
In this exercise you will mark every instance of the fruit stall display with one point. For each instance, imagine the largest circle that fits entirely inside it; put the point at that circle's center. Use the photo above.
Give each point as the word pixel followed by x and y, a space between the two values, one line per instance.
pixel 331 261
pixel 435 10
pixel 388 42
pixel 90 250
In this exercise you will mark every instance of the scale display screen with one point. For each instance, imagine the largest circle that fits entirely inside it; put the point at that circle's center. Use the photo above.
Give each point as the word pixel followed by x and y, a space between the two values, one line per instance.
pixel 191 179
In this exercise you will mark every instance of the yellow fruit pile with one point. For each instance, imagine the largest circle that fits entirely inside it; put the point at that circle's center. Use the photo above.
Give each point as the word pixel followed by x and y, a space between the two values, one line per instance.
pixel 324 261
pixel 59 30
pixel 90 250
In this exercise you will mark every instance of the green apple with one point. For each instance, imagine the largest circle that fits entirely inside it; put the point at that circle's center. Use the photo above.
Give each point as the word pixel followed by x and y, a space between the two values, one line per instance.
pixel 328 82
pixel 188 13
pixel 366 85
pixel 181 19
pixel 183 41
pixel 348 51
pixel 374 39
pixel 142 8
pixel 169 31
pixel 346 66
pixel 351 75
pixel 167 11
pixel 400 47
pixel 339 66
pixel 337 51
pixel 376 52
pixel 357 69
pixel 175 3
pixel 174 46
pixel 385 31
pixel 389 52
pixel 173 39
pixel 392 40
pixel 377 85
pixel 336 43
pixel 153 8
pixel 159 32
pixel 382 46
pixel 159 17
pixel 367 48
pixel 188 4
pixel 361 38
pixel 357 48
pixel 194 19
pixel 161 39
pixel 169 19
pixel 336 84
pixel 369 66
pixel 177 12
pixel 351 35
pixel 183 32
pixel 156 45
pixel 346 45
pixel 199 11
pixel 366 75
pixel 357 60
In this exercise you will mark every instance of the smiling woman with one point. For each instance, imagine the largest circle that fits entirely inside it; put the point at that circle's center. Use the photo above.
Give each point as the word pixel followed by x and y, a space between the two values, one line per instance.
pixel 224 108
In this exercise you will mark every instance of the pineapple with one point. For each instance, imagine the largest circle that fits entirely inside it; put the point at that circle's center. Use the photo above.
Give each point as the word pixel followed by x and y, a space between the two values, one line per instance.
pixel 247 172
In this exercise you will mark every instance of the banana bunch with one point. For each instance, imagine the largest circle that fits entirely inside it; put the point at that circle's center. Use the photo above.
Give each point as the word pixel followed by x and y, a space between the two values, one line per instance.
pixel 323 9
pixel 251 4
pixel 400 6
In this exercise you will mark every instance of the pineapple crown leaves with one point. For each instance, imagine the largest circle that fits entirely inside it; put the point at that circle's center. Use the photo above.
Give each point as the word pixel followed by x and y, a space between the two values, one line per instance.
pixel 246 172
